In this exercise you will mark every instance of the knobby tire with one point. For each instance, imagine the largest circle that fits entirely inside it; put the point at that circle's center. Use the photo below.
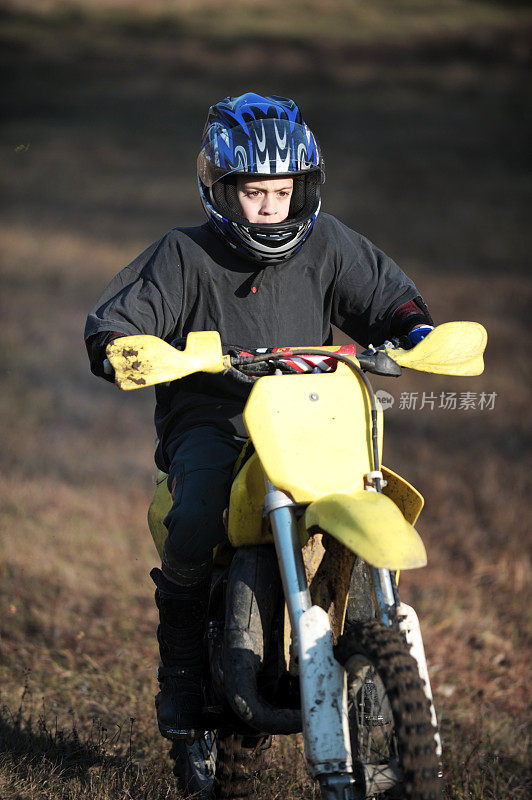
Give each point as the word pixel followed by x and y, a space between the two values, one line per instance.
pixel 234 776
pixel 404 709
pixel 237 761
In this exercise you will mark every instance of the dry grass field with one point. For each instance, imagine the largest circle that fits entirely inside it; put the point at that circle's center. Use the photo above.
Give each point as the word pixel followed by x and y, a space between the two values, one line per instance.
pixel 423 111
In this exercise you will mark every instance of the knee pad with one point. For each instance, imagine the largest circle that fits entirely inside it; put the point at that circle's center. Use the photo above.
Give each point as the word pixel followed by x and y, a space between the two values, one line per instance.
pixel 193 533
pixel 181 569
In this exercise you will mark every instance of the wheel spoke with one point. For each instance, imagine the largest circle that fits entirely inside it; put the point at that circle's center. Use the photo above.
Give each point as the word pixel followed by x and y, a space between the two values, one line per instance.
pixel 392 737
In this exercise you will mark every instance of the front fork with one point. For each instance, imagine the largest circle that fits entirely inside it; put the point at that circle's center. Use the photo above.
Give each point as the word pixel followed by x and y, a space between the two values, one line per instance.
pixel 391 612
pixel 322 679
pixel 384 595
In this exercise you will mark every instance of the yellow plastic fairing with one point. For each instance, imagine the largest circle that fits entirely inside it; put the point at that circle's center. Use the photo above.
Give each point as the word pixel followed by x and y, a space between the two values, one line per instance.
pixel 246 524
pixel 312 432
pixel 454 348
pixel 245 506
pixel 140 361
pixel 407 499
pixel 159 508
pixel 370 525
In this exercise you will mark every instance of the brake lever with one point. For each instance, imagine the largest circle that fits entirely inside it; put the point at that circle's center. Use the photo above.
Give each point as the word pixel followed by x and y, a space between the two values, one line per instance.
pixel 379 363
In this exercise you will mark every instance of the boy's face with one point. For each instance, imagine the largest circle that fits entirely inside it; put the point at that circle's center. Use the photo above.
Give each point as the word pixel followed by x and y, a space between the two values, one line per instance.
pixel 266 201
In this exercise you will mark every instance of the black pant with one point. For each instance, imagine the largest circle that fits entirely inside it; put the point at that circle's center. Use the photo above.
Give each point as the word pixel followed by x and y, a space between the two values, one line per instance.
pixel 202 461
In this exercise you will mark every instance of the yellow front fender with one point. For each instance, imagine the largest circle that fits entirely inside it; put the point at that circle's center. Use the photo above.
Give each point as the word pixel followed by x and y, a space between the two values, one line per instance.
pixel 370 525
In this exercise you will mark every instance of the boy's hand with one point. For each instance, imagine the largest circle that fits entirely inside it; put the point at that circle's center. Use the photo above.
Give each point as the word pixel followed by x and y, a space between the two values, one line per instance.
pixel 105 370
pixel 408 341
pixel 418 333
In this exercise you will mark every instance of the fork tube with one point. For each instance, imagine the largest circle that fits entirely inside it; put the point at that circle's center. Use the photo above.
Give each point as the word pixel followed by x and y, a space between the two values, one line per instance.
pixel 279 506
pixel 321 678
pixel 384 595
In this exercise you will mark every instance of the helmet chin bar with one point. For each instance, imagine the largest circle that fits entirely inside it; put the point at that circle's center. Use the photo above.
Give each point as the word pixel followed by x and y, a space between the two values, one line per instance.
pixel 273 242
pixel 264 244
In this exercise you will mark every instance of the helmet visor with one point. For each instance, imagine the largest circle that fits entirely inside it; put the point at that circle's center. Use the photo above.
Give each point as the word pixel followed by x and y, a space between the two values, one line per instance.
pixel 260 147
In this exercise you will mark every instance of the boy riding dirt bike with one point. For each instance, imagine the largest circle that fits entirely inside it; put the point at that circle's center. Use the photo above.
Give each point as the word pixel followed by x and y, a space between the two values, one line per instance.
pixel 267 269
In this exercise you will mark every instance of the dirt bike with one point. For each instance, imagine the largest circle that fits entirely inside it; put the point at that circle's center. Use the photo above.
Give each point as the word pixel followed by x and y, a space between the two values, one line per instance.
pixel 306 629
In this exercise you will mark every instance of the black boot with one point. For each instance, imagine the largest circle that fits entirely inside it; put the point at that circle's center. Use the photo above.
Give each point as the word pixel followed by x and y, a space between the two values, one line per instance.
pixel 182 615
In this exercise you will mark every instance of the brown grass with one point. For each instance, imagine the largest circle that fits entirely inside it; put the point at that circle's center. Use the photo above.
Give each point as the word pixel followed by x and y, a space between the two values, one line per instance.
pixel 423 114
pixel 362 21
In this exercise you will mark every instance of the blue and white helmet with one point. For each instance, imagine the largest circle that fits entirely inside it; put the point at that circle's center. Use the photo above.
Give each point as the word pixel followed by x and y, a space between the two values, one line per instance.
pixel 263 137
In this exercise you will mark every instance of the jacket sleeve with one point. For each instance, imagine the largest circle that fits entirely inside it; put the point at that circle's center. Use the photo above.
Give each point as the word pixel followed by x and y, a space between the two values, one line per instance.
pixel 145 297
pixel 412 313
pixel 369 288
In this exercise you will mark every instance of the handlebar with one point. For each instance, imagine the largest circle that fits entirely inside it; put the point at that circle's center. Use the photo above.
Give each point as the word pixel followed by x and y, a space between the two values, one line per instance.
pixel 374 361
pixel 453 348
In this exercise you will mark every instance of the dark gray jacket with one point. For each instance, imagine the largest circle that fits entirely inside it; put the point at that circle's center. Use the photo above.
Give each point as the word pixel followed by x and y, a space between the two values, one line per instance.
pixel 191 281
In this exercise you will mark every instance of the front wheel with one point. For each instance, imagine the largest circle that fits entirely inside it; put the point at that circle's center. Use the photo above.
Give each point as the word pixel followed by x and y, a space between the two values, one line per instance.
pixel 392 737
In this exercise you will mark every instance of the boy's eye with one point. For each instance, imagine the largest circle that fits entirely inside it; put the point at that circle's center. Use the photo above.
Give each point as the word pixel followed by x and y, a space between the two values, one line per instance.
pixel 257 193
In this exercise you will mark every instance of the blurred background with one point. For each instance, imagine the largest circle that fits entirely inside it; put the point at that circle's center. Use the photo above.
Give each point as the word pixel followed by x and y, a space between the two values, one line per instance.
pixel 423 111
